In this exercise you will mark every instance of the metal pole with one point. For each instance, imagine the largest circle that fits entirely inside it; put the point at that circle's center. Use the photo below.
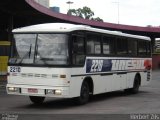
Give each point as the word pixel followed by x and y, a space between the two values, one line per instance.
pixel 117 9
pixel 69 3
pixel 118 12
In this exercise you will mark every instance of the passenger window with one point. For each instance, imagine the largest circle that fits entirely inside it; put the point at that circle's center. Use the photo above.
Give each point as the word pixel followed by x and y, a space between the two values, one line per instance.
pixel 148 48
pixel 132 47
pixel 93 44
pixel 108 45
pixel 78 55
pixel 142 48
pixel 122 47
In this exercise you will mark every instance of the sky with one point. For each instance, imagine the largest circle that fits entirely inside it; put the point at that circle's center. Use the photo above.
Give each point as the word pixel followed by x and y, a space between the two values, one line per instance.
pixel 131 12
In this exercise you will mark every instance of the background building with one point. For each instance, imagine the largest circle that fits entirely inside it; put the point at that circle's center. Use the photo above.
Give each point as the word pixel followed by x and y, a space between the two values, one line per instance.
pixel 157 44
pixel 55 9
pixel 43 2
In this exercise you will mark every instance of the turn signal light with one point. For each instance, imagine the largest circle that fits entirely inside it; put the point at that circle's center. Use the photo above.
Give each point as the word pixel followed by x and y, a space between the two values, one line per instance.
pixel 62 76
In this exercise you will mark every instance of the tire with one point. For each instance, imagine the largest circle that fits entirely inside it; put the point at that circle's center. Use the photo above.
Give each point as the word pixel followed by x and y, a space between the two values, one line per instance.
pixel 136 86
pixel 36 99
pixel 84 94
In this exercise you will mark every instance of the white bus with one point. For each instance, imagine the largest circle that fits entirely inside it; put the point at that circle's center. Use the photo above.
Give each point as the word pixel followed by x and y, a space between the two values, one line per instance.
pixel 75 61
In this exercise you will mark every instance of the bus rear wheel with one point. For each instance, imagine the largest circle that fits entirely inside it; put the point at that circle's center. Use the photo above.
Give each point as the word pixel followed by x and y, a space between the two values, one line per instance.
pixel 37 99
pixel 136 86
pixel 84 94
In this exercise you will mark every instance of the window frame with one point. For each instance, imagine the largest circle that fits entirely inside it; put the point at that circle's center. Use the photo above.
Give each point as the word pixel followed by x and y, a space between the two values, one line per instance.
pixel 79 34
pixel 133 40
pixel 99 35
pixel 117 42
pixel 144 43
pixel 114 44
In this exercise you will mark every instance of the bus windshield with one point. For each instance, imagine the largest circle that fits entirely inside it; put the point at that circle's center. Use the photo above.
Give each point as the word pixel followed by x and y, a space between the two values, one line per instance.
pixel 41 49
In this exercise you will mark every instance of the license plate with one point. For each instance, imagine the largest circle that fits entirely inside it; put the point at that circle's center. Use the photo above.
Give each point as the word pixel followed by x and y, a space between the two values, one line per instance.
pixel 32 90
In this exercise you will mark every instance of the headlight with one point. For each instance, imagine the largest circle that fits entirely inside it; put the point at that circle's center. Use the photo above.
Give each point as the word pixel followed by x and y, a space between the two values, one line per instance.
pixel 50 91
pixel 58 92
pixel 55 92
pixel 14 89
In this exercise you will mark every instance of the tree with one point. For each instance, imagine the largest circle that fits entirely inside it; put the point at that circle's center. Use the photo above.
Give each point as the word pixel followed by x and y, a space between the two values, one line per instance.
pixel 85 13
pixel 98 19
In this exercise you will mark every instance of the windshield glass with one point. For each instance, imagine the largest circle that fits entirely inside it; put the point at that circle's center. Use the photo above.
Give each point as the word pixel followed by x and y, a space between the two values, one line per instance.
pixel 52 49
pixel 41 49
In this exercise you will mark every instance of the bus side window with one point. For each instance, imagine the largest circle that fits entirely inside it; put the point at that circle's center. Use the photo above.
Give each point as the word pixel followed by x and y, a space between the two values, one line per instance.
pixel 142 48
pixel 122 47
pixel 132 47
pixel 108 45
pixel 78 55
pixel 148 49
pixel 93 44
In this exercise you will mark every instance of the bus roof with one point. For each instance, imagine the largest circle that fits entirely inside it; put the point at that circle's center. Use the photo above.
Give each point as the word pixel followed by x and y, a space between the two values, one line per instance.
pixel 66 27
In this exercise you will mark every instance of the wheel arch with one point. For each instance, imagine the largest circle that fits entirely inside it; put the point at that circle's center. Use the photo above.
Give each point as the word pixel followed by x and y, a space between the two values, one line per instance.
pixel 89 80
pixel 139 76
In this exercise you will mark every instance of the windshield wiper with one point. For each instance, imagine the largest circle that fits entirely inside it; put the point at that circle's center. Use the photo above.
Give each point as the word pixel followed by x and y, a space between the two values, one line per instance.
pixel 39 56
pixel 27 53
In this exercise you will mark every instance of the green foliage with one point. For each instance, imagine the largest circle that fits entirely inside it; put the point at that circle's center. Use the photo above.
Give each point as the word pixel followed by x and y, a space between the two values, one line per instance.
pixel 85 13
pixel 98 19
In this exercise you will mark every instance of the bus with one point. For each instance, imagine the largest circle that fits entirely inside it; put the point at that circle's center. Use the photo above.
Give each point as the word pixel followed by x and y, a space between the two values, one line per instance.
pixel 4 53
pixel 64 60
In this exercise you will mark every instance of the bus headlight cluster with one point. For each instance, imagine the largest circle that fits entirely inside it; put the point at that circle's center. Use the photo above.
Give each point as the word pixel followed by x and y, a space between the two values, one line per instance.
pixel 13 89
pixel 58 92
pixel 55 92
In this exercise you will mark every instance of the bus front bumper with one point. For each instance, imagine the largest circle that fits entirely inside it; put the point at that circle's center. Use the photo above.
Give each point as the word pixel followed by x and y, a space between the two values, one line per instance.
pixel 46 91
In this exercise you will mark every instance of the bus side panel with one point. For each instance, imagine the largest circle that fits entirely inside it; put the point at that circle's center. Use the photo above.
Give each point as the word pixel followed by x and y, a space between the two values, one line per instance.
pixel 144 79
pixel 130 79
pixel 119 81
pixel 100 84
pixel 75 86
pixel 108 83
pixel 76 81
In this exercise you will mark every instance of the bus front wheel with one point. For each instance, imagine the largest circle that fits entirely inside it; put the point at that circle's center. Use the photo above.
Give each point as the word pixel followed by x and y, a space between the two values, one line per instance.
pixel 84 94
pixel 37 99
